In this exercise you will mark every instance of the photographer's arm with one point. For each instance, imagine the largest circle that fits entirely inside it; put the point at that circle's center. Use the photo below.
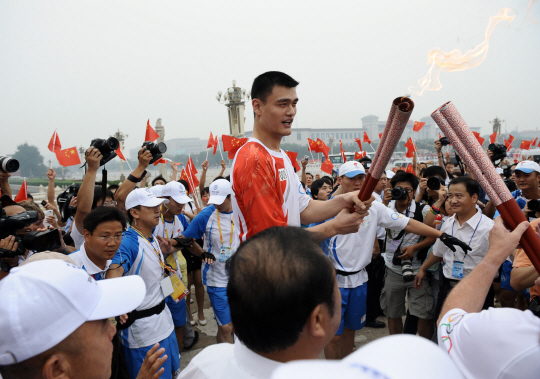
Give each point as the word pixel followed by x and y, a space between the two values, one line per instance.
pixel 489 209
pixel 85 197
pixel 4 184
pixel 304 176
pixel 174 168
pixel 223 165
pixel 123 191
pixel 438 149
pixel 50 189
pixel 415 163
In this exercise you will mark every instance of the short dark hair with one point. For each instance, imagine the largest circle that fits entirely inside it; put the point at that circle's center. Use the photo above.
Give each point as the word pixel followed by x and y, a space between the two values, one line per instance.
pixel 103 214
pixel 113 187
pixel 279 268
pixel 310 174
pixel 405 177
pixel 434 171
pixel 159 177
pixel 205 190
pixel 97 195
pixel 130 216
pixel 264 84
pixel 317 184
pixel 470 184
pixel 185 184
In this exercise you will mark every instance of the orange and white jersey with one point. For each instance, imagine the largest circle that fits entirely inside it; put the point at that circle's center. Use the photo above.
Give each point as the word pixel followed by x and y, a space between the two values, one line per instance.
pixel 266 190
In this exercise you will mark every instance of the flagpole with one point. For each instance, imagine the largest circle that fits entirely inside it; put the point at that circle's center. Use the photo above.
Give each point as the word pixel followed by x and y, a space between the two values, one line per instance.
pixel 219 148
pixel 206 153
pixel 371 147
pixel 52 152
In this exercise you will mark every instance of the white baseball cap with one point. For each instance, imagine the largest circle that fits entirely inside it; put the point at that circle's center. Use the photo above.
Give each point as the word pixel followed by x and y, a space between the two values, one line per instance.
pixel 390 174
pixel 527 167
pixel 143 196
pixel 157 189
pixel 177 191
pixel 382 358
pixel 351 169
pixel 219 190
pixel 44 302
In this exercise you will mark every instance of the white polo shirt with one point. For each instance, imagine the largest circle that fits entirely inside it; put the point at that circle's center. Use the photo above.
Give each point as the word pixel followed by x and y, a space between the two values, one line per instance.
pixel 226 360
pixel 78 238
pixel 478 241
pixel 352 252
pixel 80 257
pixel 495 343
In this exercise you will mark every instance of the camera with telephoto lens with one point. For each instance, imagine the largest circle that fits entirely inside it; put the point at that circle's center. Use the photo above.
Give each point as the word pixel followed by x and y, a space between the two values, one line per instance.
pixel 8 164
pixel 499 151
pixel 156 149
pixel 107 148
pixel 64 199
pixel 435 183
pixel 399 193
pixel 444 141
pixel 38 241
pixel 406 266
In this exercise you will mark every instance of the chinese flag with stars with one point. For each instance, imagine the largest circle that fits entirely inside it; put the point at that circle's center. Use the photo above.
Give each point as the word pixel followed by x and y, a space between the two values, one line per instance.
pixel 358 155
pixel 366 138
pixel 410 169
pixel 216 143
pixel 510 139
pixel 210 141
pixel 327 166
pixel 417 126
pixel 507 144
pixel 410 148
pixel 54 143
pixel 359 142
pixel 323 148
pixel 293 157
pixel 313 146
pixel 68 157
pixel 480 139
pixel 232 144
pixel 151 134
pixel 525 145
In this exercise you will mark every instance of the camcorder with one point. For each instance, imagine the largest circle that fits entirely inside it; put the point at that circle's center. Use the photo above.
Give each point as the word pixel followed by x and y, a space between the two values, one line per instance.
pixel 435 183
pixel 444 141
pixel 107 148
pixel 156 149
pixel 64 199
pixel 8 164
pixel 499 152
pixel 38 241
pixel 399 193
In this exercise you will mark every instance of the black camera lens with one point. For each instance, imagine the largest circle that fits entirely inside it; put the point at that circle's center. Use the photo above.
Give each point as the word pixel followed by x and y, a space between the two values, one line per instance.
pixel 399 193
pixel 444 141
pixel 534 205
pixel 106 147
pixel 434 183
pixel 156 149
pixel 499 151
pixel 42 241
pixel 8 164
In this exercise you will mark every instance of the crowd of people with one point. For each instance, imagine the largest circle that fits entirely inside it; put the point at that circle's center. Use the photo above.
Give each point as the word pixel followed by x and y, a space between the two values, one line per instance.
pixel 293 265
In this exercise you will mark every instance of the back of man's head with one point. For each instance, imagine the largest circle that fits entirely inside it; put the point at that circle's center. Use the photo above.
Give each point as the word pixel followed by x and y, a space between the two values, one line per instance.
pixel 264 84
pixel 276 279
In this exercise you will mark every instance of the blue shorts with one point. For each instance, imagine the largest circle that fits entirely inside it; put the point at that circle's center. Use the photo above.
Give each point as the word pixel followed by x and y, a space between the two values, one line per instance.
pixel 135 357
pixel 353 308
pixel 220 304
pixel 506 275
pixel 178 311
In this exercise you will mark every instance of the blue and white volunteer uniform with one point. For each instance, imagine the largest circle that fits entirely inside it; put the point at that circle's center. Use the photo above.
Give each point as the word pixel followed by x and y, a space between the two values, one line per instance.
pixel 352 253
pixel 81 260
pixel 141 256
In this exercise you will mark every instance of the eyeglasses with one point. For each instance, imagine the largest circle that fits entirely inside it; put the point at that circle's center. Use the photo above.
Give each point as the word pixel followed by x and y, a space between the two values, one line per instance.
pixel 110 238
pixel 109 204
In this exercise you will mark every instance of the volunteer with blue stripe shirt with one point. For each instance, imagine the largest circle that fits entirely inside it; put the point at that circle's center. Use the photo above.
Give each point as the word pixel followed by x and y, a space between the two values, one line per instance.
pixel 216 224
pixel 140 254
pixel 351 253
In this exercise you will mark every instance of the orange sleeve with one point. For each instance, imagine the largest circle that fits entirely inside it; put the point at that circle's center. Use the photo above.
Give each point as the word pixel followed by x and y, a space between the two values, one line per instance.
pixel 256 191
pixel 521 259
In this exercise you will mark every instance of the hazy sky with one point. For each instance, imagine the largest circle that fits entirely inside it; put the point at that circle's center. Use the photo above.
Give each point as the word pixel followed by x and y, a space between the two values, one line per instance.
pixel 88 68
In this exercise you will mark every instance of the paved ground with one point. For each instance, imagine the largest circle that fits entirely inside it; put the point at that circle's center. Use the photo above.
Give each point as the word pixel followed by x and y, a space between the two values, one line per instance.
pixel 209 331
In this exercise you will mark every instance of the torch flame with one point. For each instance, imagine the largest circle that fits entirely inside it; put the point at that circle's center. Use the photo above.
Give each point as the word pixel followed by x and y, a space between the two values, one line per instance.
pixel 456 60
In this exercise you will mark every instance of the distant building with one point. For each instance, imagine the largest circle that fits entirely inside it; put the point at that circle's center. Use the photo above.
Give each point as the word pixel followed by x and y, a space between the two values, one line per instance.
pixel 178 146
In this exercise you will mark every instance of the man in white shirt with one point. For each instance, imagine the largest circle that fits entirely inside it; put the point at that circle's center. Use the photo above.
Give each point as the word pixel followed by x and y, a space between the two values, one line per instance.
pixel 280 268
pixel 499 343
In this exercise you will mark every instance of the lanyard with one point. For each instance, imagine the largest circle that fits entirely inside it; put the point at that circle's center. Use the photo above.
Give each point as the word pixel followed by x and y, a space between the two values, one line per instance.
pixel 151 244
pixel 219 227
pixel 471 236
pixel 165 232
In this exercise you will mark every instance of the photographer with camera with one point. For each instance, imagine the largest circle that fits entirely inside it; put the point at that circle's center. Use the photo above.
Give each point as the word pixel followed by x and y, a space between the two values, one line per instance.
pixel 306 177
pixel 449 166
pixel 405 253
pixel 432 190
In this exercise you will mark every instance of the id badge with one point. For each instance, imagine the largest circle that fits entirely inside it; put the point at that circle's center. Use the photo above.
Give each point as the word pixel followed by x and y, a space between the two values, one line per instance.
pixel 224 253
pixel 166 286
pixel 393 246
pixel 180 291
pixel 457 270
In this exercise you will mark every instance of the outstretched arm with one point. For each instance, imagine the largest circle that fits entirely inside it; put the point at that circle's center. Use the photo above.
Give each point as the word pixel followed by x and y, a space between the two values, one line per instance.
pixel 123 191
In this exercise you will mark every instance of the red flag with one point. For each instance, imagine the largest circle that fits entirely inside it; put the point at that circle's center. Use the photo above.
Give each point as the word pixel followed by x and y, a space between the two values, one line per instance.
pixel 359 142
pixel 410 169
pixel 417 126
pixel 507 144
pixel 210 141
pixel 410 148
pixel 120 155
pixel 191 167
pixel 68 157
pixel 493 137
pixel 327 166
pixel 366 138
pixel 510 139
pixel 479 138
pixel 313 146
pixel 232 144
pixel 323 148
pixel 160 160
pixel 151 134
pixel 293 156
pixel 192 183
pixel 525 145
pixel 358 155
pixel 440 136
pixel 535 141
pixel 54 143
pixel 380 135
pixel 216 144
pixel 22 195
pixel 342 152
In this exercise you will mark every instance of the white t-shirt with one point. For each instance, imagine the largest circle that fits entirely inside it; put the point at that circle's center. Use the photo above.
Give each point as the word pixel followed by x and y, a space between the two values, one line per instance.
pixel 171 229
pixel 80 257
pixel 495 343
pixel 352 252
pixel 226 360
pixel 138 257
pixel 205 225
pixel 266 190
pixel 78 238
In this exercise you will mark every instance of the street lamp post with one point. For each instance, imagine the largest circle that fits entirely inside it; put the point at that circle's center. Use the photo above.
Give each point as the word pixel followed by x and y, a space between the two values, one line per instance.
pixel 234 99
pixel 121 137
